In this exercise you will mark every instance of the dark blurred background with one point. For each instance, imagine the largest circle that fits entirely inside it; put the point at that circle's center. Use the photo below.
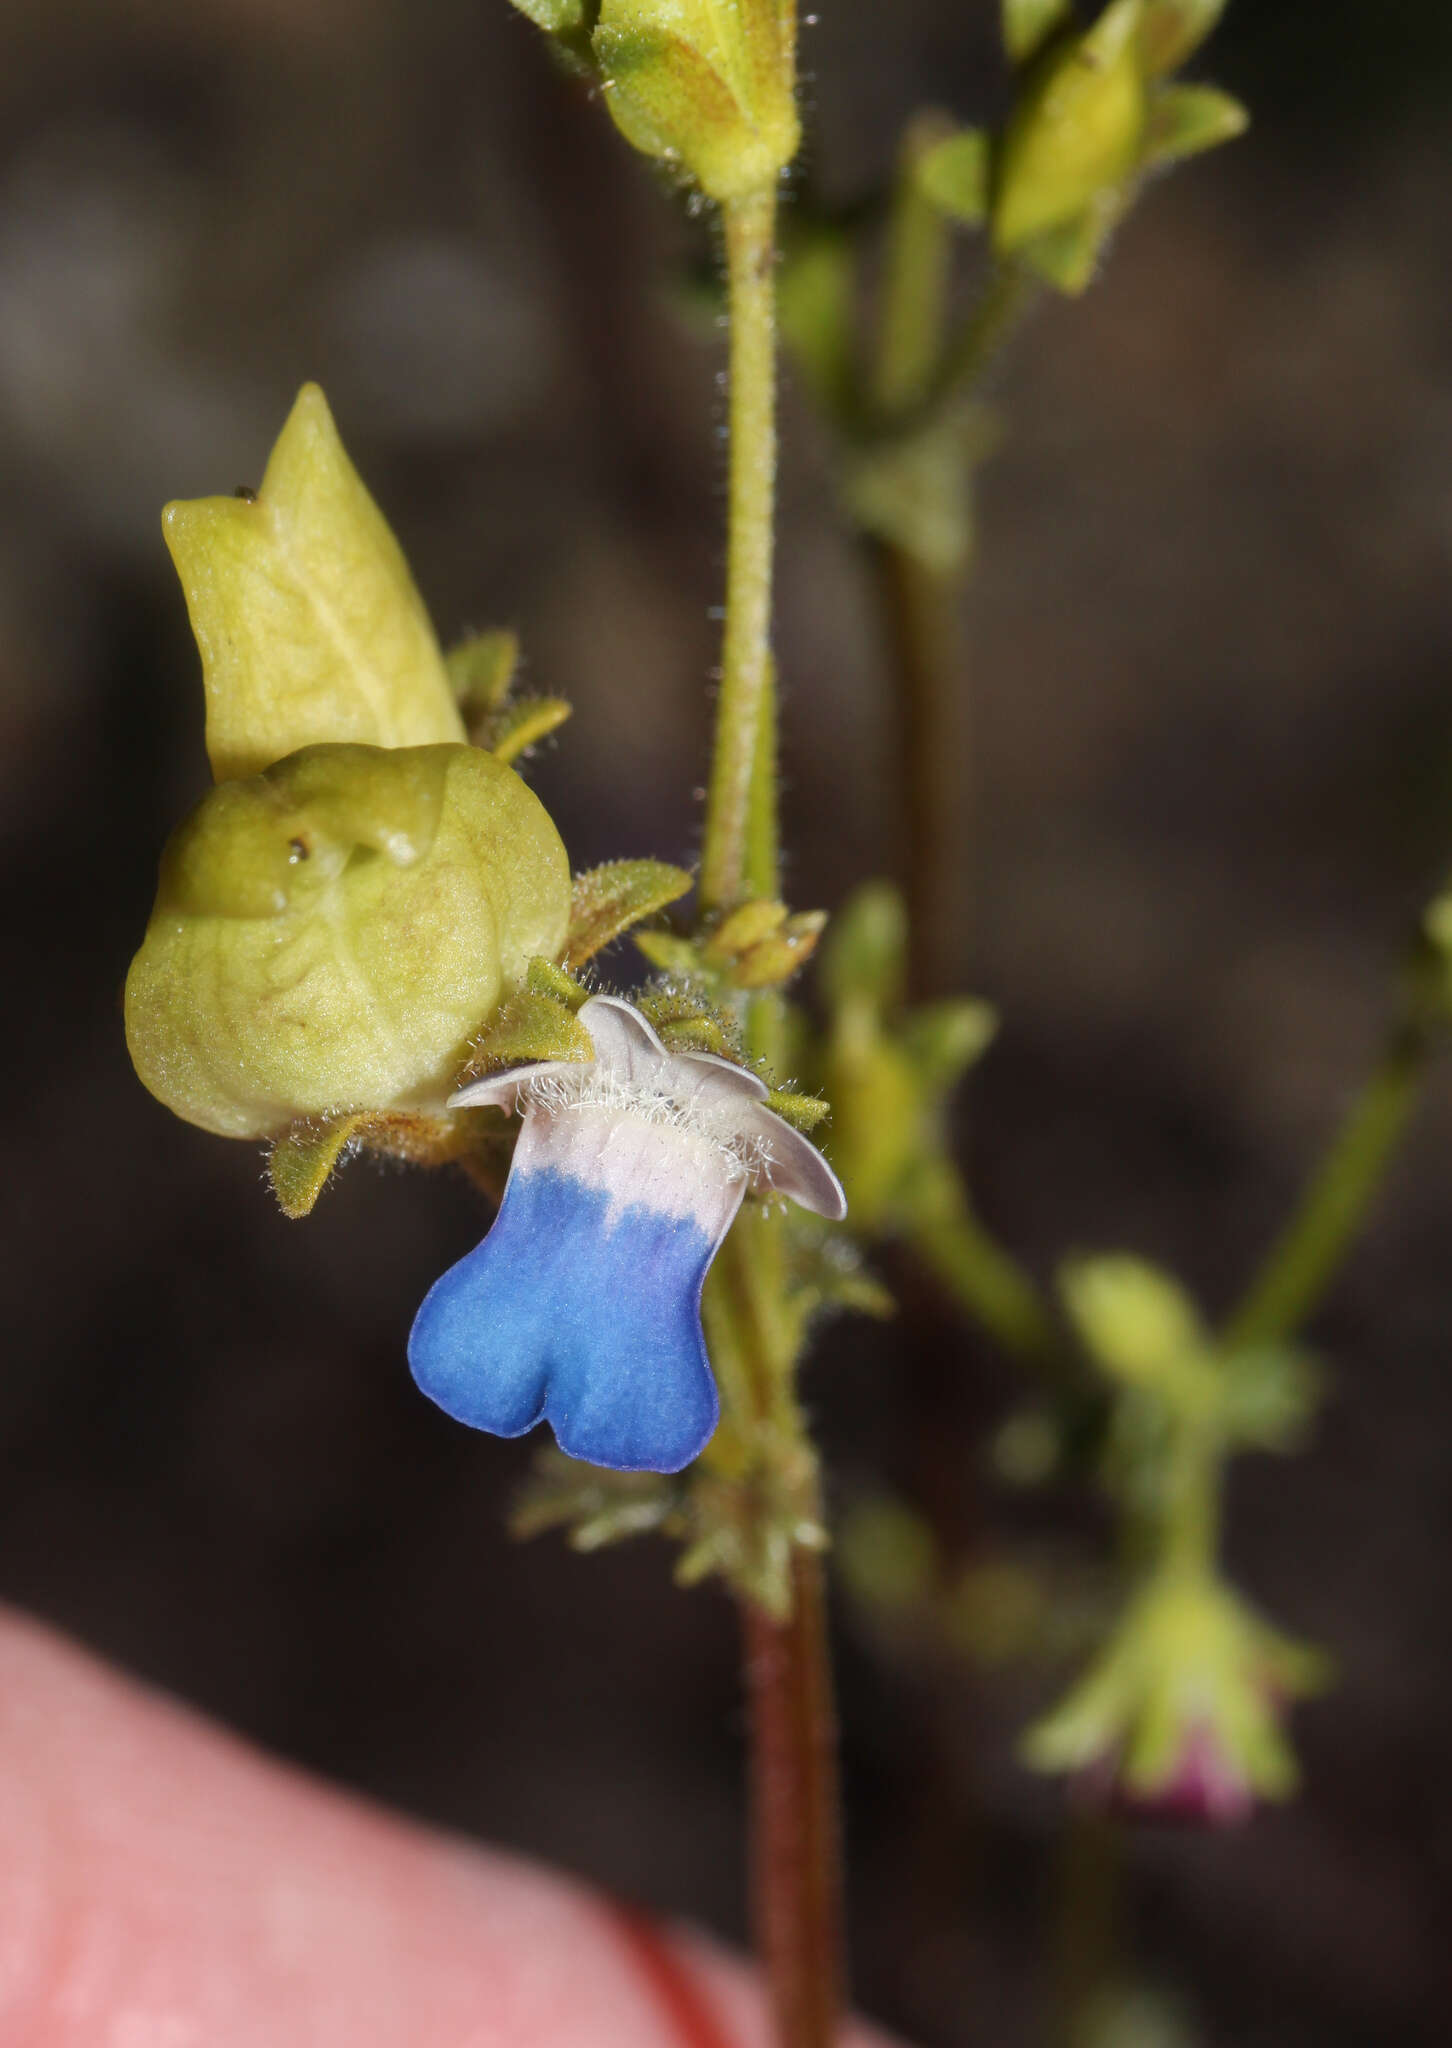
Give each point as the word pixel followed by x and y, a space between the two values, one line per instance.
pixel 1209 659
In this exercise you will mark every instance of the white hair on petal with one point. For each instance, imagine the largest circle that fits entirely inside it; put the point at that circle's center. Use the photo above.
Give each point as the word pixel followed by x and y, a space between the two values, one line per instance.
pixel 559 1089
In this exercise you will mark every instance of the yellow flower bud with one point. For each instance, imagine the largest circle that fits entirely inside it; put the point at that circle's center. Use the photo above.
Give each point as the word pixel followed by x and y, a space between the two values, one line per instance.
pixel 328 935
pixel 707 84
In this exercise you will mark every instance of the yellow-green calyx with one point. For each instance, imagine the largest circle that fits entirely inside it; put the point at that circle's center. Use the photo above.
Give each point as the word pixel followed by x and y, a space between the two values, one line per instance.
pixel 307 618
pixel 709 85
pixel 328 935
pixel 1095 112
pixel 343 913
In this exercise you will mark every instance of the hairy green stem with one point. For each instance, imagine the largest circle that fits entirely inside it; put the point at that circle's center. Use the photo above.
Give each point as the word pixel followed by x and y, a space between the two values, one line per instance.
pixel 1305 1258
pixel 750 230
pixel 1003 301
pixel 794 1801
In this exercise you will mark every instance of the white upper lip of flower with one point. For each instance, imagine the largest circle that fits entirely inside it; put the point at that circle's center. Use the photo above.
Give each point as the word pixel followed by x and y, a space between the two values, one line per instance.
pixel 634 1074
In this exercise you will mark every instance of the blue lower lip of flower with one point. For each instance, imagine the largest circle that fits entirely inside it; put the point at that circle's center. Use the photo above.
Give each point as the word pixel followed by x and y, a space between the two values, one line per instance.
pixel 594 1327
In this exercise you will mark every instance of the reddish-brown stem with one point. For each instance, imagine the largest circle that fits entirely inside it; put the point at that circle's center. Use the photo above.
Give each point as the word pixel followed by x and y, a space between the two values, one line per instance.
pixel 919 607
pixel 795 1847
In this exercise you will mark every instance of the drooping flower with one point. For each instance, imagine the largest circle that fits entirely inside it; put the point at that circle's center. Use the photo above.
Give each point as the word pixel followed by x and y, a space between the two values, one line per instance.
pixel 1181 1716
pixel 582 1305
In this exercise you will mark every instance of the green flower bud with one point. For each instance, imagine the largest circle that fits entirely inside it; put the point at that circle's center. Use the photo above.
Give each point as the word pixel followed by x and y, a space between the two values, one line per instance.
pixel 329 934
pixel 706 84
pixel 1077 132
pixel 307 618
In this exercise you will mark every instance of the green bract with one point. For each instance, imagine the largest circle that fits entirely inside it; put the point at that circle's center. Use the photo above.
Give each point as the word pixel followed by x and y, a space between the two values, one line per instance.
pixel 308 621
pixel 706 84
pixel 328 935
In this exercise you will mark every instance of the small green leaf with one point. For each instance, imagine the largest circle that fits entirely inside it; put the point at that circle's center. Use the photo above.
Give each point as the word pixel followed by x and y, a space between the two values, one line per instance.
pixel 481 670
pixel 954 175
pixel 1186 119
pixel 529 1027
pixel 1027 25
pixel 303 1157
pixel 608 900
pixel 524 724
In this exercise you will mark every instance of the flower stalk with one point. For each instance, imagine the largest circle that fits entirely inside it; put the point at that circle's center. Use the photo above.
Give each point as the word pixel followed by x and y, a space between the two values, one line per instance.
pixel 750 234
pixel 794 1827
pixel 1307 1256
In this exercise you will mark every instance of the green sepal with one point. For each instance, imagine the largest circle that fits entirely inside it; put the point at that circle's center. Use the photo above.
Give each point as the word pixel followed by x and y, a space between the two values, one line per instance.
pixel 1027 25
pixel 524 724
pixel 695 1034
pixel 608 900
pixel 709 87
pixel 481 671
pixel 1187 119
pixel 560 17
pixel 307 1153
pixel 302 1158
pixel 1067 257
pixel 548 980
pixel 528 1028
pixel 864 960
pixel 773 961
pixel 744 927
pixel 669 953
pixel 1075 134
pixel 955 174
pixel 943 1040
pixel 803 1112
pixel 1172 30
pixel 309 624
pixel 595 1507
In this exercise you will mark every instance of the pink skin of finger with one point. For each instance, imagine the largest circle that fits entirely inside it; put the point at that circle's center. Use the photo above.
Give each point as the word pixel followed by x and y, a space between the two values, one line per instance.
pixel 163 1886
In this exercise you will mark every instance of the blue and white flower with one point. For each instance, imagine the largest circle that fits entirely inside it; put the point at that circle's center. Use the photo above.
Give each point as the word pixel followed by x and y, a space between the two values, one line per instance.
pixel 582 1307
